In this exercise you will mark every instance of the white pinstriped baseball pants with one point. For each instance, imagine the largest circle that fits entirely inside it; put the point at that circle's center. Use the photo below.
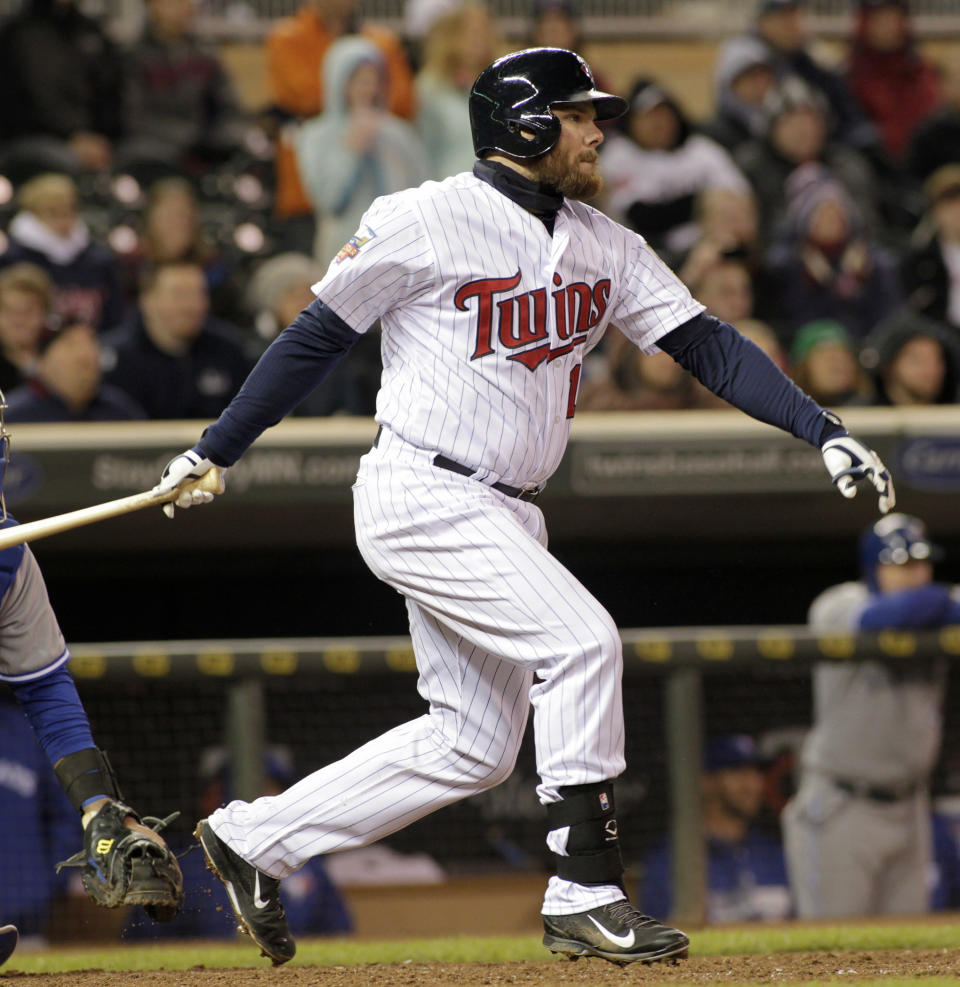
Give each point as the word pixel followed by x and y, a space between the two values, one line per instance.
pixel 497 624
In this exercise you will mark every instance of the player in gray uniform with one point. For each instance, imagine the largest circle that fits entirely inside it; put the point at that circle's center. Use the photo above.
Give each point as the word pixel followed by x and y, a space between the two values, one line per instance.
pixel 858 833
pixel 124 860
pixel 490 287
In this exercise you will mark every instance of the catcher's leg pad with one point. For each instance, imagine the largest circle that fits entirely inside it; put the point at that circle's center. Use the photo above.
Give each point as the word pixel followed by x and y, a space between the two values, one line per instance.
pixel 121 866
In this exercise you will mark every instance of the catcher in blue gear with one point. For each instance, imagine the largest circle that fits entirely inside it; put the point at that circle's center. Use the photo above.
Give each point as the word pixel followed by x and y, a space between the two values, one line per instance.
pixel 124 860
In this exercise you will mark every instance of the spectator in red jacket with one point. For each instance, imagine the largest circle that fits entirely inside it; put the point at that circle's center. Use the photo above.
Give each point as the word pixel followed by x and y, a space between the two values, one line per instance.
pixel 896 86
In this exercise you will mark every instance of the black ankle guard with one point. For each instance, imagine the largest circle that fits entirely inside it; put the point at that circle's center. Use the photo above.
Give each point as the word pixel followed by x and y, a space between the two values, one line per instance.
pixel 593 844
pixel 86 774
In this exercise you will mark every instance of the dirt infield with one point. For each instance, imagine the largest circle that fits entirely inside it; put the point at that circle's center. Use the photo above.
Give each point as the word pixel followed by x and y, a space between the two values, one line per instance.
pixel 777 968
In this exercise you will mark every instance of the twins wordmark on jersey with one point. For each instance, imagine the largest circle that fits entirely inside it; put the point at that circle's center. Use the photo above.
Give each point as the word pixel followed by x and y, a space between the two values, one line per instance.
pixel 522 319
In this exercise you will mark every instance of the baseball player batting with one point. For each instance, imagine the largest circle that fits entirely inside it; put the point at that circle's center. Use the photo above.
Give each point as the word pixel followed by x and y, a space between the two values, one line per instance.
pixel 490 287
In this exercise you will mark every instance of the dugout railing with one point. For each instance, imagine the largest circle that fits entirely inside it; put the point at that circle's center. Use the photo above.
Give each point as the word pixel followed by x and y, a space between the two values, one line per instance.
pixel 680 659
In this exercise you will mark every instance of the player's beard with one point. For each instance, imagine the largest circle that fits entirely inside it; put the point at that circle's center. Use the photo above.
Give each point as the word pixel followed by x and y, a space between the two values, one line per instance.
pixel 565 176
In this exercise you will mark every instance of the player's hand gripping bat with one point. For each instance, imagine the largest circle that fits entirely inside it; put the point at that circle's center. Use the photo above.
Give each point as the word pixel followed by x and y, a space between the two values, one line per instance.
pixel 211 482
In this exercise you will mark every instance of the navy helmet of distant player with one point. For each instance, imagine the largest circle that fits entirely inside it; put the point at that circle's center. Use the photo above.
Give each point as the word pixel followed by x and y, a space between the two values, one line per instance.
pixel 896 539
pixel 4 455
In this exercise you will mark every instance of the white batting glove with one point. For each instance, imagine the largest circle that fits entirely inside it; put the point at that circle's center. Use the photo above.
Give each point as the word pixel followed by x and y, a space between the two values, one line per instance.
pixel 189 465
pixel 849 460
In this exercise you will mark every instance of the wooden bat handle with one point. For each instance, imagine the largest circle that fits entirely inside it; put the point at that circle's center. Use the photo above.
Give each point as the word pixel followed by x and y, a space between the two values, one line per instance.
pixel 211 482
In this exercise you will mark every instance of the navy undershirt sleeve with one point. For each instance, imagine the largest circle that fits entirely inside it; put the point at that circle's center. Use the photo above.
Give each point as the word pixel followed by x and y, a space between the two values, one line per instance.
pixel 737 370
pixel 55 712
pixel 290 369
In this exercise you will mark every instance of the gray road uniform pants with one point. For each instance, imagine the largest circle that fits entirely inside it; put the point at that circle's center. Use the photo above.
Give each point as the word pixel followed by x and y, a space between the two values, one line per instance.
pixel 857 833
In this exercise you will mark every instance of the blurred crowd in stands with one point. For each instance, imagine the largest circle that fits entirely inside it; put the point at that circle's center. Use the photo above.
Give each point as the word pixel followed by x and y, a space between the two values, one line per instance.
pixel 156 234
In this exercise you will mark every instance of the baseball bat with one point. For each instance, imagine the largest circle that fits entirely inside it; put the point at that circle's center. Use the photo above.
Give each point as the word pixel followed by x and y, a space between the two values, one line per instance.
pixel 211 481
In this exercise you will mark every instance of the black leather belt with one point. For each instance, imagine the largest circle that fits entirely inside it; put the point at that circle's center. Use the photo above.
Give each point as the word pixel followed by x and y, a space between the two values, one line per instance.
pixel 521 493
pixel 876 793
pixel 444 462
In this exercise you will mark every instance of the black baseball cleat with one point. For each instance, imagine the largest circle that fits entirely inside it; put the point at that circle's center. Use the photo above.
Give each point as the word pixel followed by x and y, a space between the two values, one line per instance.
pixel 615 932
pixel 255 896
pixel 8 942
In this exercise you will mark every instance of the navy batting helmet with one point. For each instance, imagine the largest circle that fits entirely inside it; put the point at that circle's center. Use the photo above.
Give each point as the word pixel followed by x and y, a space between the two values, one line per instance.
pixel 894 540
pixel 517 91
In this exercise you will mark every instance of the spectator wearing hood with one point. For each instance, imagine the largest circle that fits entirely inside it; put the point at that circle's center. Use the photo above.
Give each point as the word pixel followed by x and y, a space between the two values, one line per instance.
pixel 894 84
pixel 797 133
pixel 295 48
pixel 824 264
pixel 356 150
pixel 655 165
pixel 823 360
pixel 931 267
pixel 742 78
pixel 50 232
pixel 60 77
pixel 913 360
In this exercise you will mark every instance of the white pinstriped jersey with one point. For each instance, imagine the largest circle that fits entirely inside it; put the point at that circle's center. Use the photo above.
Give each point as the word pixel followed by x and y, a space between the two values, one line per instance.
pixel 486 318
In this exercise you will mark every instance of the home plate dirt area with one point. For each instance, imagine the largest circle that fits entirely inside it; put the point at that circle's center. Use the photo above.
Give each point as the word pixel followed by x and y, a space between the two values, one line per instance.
pixel 776 968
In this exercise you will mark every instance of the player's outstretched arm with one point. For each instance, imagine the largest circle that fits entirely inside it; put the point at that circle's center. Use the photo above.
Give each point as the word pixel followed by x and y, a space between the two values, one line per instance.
pixel 738 371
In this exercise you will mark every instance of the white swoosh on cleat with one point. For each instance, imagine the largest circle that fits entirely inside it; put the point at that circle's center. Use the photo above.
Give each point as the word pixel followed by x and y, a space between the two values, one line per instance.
pixel 257 903
pixel 625 941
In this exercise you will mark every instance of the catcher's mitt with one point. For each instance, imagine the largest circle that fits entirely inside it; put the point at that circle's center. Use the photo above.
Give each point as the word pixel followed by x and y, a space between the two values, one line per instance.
pixel 124 867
